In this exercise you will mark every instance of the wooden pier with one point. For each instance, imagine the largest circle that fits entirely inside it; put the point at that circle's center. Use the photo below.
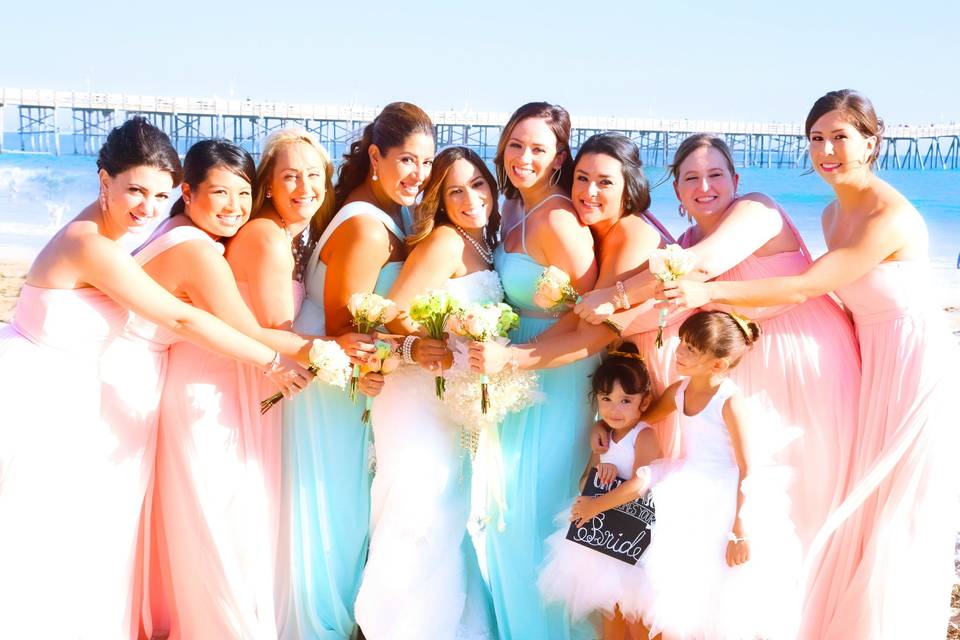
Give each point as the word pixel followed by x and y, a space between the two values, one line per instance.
pixel 72 122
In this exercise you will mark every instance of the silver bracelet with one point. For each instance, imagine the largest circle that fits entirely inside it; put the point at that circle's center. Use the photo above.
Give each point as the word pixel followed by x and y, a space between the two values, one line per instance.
pixel 407 349
pixel 732 537
pixel 274 364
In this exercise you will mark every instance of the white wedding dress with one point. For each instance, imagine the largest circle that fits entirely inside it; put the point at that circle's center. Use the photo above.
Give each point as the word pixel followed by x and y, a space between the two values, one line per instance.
pixel 422 578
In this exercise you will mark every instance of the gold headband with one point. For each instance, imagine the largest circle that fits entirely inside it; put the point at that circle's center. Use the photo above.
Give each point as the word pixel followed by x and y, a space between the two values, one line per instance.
pixel 744 323
pixel 625 354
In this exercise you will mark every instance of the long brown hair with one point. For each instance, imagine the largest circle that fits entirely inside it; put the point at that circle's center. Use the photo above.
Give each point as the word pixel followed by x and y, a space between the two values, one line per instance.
pixel 557 118
pixel 389 129
pixel 268 160
pixel 856 109
pixel 431 212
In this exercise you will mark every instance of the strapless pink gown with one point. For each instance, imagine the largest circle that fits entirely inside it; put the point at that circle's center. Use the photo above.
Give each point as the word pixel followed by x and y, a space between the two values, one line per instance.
pixel 133 371
pixel 218 488
pixel 70 497
pixel 892 560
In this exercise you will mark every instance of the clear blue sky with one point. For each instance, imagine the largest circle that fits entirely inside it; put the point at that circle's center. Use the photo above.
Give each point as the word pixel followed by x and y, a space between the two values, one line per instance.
pixel 734 59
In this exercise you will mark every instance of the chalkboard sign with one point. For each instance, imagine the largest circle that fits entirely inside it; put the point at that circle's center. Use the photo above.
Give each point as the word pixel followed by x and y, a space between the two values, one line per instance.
pixel 622 533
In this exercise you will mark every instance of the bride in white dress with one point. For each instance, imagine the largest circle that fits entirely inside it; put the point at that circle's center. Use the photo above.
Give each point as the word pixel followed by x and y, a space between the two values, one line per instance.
pixel 422 578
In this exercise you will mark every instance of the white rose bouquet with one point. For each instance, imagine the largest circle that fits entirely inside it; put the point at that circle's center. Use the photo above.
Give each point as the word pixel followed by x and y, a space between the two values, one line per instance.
pixel 669 264
pixel 483 323
pixel 554 290
pixel 328 363
pixel 369 311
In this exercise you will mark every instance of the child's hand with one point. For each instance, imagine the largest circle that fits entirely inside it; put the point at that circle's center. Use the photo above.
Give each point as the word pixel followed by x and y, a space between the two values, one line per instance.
pixel 737 552
pixel 599 437
pixel 583 510
pixel 606 472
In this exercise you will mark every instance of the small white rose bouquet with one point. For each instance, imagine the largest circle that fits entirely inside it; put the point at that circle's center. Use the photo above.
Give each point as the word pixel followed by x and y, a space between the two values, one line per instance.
pixel 328 362
pixel 383 360
pixel 554 291
pixel 484 323
pixel 369 311
pixel 669 264
pixel 432 311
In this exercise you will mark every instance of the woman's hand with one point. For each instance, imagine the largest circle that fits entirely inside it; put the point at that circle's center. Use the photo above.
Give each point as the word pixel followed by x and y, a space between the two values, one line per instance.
pixel 599 437
pixel 289 377
pixel 738 552
pixel 488 357
pixel 606 472
pixel 357 346
pixel 431 354
pixel 370 384
pixel 583 510
pixel 596 306
pixel 685 293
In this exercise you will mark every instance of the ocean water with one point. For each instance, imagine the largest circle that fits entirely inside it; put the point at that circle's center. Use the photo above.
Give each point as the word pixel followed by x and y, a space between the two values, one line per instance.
pixel 38 193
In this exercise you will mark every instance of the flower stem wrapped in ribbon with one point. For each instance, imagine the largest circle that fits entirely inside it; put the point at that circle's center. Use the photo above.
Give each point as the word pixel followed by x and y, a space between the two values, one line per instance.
pixel 328 363
pixel 483 323
pixel 669 264
pixel 384 360
pixel 432 311
pixel 369 311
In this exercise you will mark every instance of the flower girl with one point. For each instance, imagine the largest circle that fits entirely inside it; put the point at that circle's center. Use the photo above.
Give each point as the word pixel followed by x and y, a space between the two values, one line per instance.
pixel 583 579
pixel 724 556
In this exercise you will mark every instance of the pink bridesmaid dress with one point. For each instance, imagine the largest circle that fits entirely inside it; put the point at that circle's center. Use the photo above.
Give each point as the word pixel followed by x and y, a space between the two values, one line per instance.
pixel 891 561
pixel 808 365
pixel 133 370
pixel 69 494
pixel 217 494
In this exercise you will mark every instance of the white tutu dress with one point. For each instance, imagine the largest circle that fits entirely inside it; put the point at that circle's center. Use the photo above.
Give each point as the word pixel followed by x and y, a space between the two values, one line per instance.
pixel 690 591
pixel 583 579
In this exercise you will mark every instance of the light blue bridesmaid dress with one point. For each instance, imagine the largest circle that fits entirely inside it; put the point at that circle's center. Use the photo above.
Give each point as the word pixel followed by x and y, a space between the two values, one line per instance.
pixel 545 449
pixel 327 478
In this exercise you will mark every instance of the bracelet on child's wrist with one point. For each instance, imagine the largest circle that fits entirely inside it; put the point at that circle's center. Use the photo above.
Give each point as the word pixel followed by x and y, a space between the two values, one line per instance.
pixel 732 537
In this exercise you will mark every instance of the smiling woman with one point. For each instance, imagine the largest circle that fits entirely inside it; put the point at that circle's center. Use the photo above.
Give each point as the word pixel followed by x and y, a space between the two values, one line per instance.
pixel 326 446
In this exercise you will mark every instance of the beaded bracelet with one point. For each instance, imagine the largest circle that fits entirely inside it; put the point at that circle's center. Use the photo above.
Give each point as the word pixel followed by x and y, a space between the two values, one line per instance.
pixel 621 300
pixel 732 537
pixel 408 349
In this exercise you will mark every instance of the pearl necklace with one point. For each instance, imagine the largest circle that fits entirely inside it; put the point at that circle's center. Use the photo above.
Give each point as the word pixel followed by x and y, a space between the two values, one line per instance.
pixel 485 251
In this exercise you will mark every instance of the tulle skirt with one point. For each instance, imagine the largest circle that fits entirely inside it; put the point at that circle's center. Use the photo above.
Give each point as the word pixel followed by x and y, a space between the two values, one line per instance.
pixel 691 592
pixel 587 581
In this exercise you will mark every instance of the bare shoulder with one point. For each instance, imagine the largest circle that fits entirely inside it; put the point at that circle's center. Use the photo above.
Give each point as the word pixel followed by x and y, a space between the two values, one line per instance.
pixel 259 238
pixel 632 232
pixel 443 240
pixel 756 205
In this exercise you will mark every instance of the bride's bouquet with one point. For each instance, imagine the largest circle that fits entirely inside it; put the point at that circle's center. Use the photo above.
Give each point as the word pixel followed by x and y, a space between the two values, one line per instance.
pixel 483 323
pixel 553 290
pixel 509 390
pixel 432 311
pixel 369 311
pixel 669 264
pixel 384 360
pixel 328 363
